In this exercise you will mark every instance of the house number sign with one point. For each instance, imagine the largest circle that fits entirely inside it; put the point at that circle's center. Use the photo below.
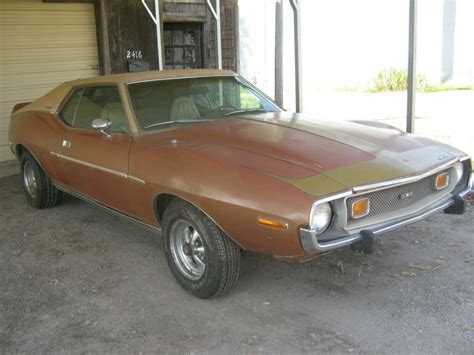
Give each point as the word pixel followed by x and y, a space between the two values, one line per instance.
pixel 134 54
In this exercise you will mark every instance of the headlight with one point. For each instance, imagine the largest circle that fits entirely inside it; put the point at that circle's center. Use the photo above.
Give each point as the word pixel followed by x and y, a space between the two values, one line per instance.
pixel 459 170
pixel 320 218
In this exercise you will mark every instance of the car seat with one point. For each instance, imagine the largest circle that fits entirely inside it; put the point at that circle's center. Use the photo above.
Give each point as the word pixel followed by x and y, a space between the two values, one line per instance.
pixel 114 113
pixel 183 108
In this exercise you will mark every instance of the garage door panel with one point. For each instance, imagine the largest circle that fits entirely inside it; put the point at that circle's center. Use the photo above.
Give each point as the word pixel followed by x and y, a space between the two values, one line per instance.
pixel 41 46
pixel 32 14
pixel 4 123
pixel 5 153
pixel 42 42
pixel 48 53
pixel 5 111
pixel 13 97
pixel 27 69
pixel 37 89
pixel 41 80
pixel 6 108
pixel 33 19
pixel 4 136
pixel 14 5
pixel 48 64
pixel 16 95
pixel 21 30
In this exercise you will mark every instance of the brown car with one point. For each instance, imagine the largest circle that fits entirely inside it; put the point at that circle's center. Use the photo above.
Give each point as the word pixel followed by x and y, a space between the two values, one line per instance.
pixel 219 168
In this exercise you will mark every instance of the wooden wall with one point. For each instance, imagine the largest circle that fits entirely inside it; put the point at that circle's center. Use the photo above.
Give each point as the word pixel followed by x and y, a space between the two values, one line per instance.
pixel 124 28
pixel 230 35
pixel 126 32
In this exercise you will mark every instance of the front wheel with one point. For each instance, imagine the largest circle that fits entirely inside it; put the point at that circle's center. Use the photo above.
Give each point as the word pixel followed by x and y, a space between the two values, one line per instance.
pixel 201 257
pixel 38 187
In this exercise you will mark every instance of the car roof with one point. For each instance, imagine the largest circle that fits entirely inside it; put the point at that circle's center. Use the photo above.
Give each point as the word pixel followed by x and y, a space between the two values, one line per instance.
pixel 52 100
pixel 150 75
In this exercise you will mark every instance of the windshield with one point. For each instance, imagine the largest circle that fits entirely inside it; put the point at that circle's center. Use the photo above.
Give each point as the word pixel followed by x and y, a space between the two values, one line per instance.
pixel 164 104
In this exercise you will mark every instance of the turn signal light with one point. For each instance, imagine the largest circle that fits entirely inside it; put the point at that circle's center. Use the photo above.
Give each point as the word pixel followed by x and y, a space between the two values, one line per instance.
pixel 442 180
pixel 273 224
pixel 360 208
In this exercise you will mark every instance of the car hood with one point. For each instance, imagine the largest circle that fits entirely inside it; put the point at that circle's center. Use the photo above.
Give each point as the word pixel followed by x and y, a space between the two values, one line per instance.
pixel 318 157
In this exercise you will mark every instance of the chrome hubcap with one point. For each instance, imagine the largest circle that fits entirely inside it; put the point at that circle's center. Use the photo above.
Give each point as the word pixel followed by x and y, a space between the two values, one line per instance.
pixel 187 249
pixel 29 179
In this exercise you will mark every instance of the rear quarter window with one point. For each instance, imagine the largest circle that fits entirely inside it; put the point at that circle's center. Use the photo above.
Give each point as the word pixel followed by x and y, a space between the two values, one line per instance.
pixel 69 110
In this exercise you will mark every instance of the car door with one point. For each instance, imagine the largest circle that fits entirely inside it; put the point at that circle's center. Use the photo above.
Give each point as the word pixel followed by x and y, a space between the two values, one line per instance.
pixel 95 163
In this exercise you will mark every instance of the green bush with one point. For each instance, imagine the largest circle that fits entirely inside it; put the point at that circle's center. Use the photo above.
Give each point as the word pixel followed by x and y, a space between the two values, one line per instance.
pixel 393 79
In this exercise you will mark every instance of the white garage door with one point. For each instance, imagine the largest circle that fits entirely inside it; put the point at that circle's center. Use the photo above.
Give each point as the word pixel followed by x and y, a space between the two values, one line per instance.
pixel 41 46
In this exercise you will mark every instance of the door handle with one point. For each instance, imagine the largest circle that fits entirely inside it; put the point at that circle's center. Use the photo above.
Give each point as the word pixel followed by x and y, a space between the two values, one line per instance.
pixel 66 144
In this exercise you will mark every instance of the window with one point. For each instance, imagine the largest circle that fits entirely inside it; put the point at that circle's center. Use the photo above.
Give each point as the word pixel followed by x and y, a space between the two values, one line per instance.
pixel 167 104
pixel 69 109
pixel 182 45
pixel 88 104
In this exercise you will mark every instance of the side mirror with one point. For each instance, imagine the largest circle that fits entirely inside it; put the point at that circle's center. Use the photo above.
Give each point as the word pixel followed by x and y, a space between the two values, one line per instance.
pixel 102 125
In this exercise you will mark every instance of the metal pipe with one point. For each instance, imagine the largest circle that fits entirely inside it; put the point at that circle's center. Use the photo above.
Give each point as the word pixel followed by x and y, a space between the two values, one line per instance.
pixel 211 7
pixel 295 4
pixel 158 35
pixel 219 34
pixel 411 85
pixel 156 20
pixel 149 11
pixel 279 53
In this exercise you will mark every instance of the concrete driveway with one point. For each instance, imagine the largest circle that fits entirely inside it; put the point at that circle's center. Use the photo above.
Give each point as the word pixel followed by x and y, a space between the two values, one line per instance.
pixel 75 278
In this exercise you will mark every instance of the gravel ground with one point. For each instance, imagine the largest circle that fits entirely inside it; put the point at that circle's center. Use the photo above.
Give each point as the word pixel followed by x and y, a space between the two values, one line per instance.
pixel 76 278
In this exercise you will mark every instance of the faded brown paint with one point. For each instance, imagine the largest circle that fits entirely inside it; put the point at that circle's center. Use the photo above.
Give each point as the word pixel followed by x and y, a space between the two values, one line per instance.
pixel 272 166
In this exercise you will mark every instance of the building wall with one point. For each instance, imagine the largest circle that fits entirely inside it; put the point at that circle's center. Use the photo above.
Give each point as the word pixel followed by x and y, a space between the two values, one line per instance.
pixel 126 29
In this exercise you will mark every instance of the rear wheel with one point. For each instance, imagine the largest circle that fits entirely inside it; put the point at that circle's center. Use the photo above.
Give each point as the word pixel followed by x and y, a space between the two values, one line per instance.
pixel 201 257
pixel 38 187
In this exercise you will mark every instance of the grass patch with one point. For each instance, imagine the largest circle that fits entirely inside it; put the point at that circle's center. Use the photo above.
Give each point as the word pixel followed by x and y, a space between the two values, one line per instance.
pixel 447 87
pixel 394 79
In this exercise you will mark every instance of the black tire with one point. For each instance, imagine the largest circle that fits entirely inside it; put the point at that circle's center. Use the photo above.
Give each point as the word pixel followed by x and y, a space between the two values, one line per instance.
pixel 222 255
pixel 45 194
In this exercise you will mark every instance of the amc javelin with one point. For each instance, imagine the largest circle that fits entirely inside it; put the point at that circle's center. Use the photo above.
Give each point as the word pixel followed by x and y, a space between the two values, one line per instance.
pixel 212 162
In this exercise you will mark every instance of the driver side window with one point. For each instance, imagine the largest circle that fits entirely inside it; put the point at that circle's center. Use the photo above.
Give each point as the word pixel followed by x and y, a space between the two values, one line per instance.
pixel 87 104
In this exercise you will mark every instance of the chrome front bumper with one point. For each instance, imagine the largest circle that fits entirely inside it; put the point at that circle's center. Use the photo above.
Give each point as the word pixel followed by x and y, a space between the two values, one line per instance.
pixel 311 245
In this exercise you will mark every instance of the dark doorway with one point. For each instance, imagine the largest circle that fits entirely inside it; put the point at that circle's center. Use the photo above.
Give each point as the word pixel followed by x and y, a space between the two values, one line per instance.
pixel 183 46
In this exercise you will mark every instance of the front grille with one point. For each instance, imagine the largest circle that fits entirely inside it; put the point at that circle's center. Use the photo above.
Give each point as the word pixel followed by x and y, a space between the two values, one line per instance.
pixel 388 203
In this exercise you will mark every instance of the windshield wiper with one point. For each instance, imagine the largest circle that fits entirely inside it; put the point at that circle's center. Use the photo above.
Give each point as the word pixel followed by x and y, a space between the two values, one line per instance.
pixel 254 110
pixel 176 121
pixel 190 121
pixel 158 124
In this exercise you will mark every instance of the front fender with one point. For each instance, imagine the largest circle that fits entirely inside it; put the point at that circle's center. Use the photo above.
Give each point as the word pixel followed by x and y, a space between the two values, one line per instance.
pixel 234 197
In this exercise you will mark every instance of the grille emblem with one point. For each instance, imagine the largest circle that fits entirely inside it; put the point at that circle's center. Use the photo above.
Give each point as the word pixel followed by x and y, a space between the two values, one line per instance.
pixel 405 195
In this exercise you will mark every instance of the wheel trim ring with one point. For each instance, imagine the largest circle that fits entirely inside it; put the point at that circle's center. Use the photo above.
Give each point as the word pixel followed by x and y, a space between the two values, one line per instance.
pixel 191 266
pixel 29 179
